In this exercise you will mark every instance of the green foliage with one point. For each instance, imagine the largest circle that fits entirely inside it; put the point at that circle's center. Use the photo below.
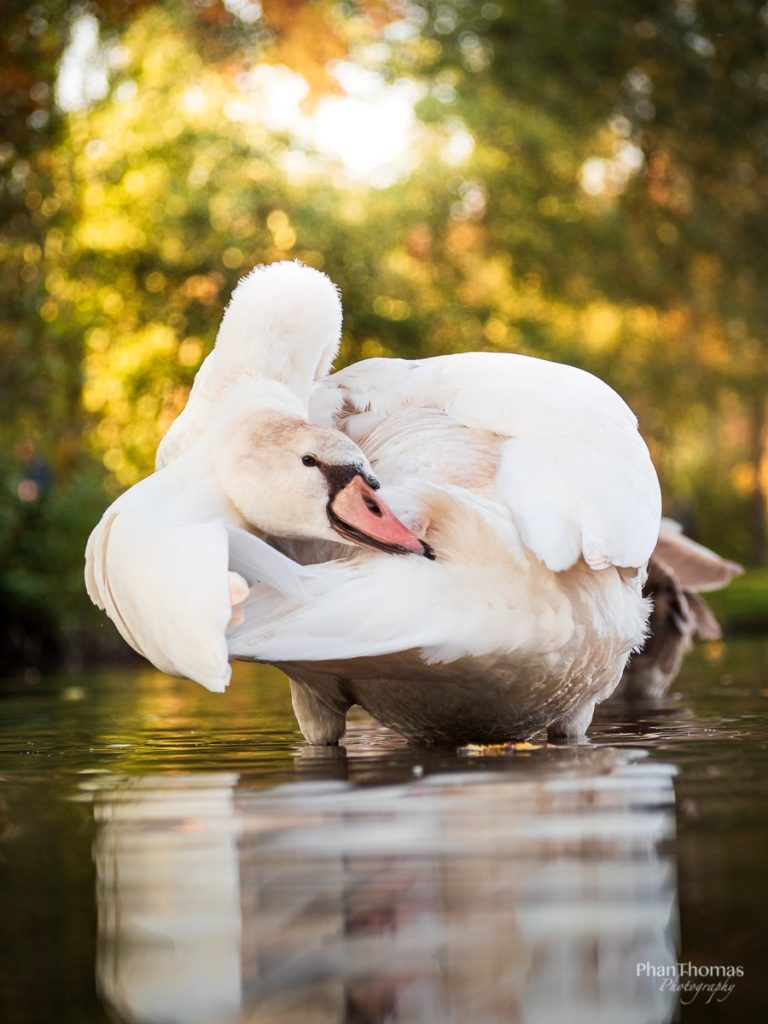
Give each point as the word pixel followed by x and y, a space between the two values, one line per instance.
pixel 744 603
pixel 44 524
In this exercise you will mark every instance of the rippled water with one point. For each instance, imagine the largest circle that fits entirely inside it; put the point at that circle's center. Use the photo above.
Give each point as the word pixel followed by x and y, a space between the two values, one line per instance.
pixel 170 855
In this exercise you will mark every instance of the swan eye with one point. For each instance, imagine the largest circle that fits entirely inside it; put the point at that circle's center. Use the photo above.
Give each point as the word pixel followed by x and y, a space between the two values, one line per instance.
pixel 372 505
pixel 309 460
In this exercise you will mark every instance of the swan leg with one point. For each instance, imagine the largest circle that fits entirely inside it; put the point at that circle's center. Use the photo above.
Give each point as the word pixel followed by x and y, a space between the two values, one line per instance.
pixel 322 720
pixel 573 726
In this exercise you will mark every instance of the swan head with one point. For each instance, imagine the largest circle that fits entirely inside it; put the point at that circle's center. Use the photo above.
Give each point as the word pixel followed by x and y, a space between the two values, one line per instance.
pixel 291 478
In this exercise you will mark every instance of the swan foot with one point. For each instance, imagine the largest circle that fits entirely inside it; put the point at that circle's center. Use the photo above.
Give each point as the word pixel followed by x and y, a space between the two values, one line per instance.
pixel 322 722
pixel 238 591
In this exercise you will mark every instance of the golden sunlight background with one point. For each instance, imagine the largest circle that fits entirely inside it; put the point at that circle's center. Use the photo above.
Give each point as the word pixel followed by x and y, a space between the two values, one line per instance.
pixel 588 184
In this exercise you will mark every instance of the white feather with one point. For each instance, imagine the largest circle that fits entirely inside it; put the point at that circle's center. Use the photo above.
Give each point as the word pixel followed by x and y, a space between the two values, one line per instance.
pixel 160 563
pixel 162 577
pixel 282 327
pixel 573 470
pixel 371 605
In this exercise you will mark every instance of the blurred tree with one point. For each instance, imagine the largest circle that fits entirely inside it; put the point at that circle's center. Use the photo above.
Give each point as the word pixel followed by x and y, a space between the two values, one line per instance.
pixel 50 485
pixel 586 185
pixel 41 520
pixel 630 150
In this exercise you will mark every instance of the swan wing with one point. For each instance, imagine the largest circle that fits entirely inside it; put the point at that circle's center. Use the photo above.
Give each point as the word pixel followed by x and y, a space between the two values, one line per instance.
pixel 170 586
pixel 281 330
pixel 345 614
pixel 189 426
pixel 165 587
pixel 573 469
pixel 695 568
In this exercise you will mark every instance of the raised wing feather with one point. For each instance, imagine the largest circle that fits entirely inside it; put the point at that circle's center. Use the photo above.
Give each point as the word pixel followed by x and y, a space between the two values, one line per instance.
pixel 695 568
pixel 574 471
pixel 282 329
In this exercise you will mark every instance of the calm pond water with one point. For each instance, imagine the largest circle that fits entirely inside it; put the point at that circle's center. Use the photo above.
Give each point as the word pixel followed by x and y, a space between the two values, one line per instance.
pixel 168 855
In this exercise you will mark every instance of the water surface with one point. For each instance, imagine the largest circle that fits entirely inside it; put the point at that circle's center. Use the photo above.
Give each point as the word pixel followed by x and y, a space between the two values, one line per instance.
pixel 171 855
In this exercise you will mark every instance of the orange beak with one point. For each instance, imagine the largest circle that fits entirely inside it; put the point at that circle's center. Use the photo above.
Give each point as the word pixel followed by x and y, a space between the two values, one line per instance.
pixel 357 513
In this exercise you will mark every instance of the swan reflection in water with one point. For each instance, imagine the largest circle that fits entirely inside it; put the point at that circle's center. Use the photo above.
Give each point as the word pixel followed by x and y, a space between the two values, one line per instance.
pixel 486 896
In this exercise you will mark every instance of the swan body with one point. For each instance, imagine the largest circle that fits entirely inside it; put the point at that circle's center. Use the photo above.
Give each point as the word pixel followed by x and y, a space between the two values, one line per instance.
pixel 532 485
pixel 525 482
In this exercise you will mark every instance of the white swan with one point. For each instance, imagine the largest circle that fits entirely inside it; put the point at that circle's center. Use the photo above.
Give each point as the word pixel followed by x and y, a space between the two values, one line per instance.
pixel 528 480
pixel 169 559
